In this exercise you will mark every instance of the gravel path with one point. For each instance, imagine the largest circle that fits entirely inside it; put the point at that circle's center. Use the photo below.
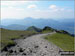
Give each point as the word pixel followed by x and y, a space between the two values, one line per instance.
pixel 34 45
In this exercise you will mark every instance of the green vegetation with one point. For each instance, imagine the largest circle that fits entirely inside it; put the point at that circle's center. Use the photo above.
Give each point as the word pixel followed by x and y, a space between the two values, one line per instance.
pixel 33 28
pixel 64 41
pixel 47 29
pixel 8 35
pixel 62 31
pixel 61 38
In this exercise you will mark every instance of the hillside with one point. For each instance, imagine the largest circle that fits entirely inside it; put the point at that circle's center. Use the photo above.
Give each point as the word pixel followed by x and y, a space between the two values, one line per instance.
pixel 64 41
pixel 33 28
pixel 60 38
pixel 7 36
pixel 47 29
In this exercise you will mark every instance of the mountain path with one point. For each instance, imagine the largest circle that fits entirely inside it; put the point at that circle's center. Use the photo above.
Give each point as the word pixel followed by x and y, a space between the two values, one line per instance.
pixel 34 45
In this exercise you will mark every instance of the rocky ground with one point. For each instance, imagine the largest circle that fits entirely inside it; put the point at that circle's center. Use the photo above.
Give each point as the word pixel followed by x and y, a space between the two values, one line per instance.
pixel 34 45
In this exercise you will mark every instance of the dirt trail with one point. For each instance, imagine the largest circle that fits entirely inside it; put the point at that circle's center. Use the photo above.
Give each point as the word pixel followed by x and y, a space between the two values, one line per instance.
pixel 34 45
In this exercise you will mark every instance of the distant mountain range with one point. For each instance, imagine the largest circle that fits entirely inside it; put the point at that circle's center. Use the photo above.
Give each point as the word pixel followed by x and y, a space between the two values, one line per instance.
pixel 23 24
pixel 14 27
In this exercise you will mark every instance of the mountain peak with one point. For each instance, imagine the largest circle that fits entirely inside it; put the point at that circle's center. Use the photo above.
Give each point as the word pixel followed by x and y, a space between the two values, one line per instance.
pixel 33 28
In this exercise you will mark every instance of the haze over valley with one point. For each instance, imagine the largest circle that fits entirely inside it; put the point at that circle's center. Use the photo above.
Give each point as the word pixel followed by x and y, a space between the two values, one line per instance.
pixel 23 24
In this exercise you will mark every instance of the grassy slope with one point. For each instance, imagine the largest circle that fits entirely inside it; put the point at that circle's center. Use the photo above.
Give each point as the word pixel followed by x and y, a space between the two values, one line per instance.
pixel 7 35
pixel 47 31
pixel 64 41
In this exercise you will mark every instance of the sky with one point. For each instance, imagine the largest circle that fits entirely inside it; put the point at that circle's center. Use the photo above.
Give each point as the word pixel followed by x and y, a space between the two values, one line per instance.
pixel 37 9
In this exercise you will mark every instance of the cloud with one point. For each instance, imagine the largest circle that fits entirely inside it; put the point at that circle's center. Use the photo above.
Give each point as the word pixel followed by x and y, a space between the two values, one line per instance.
pixel 53 7
pixel 12 12
pixel 19 10
pixel 32 6
pixel 62 9
pixel 14 3
pixel 69 10
pixel 56 8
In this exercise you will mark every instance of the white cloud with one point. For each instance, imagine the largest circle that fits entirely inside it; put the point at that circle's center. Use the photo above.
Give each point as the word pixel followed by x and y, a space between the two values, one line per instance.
pixel 69 10
pixel 53 7
pixel 16 13
pixel 32 6
pixel 62 9
pixel 56 8
pixel 11 10
pixel 13 3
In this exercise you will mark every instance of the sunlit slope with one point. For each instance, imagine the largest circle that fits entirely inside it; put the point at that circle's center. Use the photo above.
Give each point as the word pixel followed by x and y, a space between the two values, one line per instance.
pixel 64 41
pixel 8 35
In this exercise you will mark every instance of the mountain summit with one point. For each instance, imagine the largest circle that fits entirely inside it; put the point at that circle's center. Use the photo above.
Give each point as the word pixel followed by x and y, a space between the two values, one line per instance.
pixel 33 28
